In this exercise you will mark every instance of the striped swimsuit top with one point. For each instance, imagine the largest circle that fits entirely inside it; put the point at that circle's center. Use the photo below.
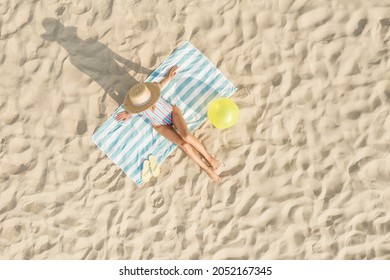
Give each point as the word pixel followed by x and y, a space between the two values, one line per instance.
pixel 161 114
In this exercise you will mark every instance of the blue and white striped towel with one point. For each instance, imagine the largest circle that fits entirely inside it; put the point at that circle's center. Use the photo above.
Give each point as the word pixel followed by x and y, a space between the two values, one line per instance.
pixel 197 82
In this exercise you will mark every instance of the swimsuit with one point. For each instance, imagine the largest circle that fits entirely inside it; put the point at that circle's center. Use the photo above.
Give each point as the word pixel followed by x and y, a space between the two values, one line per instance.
pixel 161 115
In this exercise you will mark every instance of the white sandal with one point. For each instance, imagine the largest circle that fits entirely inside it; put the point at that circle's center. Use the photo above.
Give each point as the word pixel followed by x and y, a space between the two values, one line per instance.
pixel 146 175
pixel 154 168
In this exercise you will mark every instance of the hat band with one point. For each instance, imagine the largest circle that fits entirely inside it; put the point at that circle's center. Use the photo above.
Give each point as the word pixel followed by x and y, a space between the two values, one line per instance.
pixel 140 104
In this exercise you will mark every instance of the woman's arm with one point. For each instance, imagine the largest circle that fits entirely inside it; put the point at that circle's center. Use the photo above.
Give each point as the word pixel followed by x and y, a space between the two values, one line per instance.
pixel 168 77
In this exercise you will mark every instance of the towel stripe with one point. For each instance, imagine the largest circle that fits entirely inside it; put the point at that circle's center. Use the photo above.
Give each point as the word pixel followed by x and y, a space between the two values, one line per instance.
pixel 198 82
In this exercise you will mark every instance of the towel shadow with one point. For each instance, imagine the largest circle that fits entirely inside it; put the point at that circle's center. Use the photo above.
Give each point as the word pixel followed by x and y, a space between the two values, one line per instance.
pixel 95 59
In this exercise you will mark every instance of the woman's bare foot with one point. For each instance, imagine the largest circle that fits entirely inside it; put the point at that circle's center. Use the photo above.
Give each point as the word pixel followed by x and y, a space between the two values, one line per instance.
pixel 215 164
pixel 213 175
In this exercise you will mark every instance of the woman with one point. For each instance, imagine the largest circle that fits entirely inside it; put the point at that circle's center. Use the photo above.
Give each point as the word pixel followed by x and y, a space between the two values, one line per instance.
pixel 144 99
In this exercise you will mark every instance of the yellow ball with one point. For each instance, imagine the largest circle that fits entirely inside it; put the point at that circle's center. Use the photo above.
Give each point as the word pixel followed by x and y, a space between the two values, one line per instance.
pixel 223 112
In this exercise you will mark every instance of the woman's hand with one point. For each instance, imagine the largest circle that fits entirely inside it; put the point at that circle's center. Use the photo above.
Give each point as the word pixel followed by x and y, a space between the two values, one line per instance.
pixel 123 116
pixel 172 72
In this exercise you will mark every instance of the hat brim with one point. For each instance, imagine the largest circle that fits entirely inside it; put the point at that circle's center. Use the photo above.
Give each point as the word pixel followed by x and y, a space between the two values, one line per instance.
pixel 155 95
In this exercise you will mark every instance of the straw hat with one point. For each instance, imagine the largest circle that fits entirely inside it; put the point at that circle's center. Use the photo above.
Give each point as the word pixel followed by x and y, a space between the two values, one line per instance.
pixel 141 97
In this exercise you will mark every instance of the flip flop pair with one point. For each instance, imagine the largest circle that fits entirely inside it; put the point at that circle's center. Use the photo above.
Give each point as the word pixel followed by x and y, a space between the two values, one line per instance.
pixel 150 168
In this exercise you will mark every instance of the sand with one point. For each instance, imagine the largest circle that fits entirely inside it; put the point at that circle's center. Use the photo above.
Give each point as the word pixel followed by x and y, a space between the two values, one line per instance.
pixel 307 165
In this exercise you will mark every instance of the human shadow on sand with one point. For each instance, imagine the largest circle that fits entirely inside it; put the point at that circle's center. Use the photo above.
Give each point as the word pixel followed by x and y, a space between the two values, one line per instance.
pixel 95 59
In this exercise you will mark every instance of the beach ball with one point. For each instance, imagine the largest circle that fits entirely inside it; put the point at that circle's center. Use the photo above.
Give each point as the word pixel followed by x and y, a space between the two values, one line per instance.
pixel 223 112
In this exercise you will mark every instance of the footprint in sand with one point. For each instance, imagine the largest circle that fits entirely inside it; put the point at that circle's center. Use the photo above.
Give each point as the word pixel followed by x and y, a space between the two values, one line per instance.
pixel 349 66
pixel 360 26
pixel 42 244
pixel 356 23
pixel 377 170
pixel 376 129
pixel 104 8
pixel 245 204
pixel 300 179
pixel 232 194
pixel 279 133
pixel 156 199
pixel 12 230
pixel 302 160
pixel 103 174
pixel 382 225
pixel 296 130
pixel 332 50
pixel 290 80
pixel 354 238
pixel 20 157
pixel 331 185
pixel 80 7
pixel 276 79
pixel 296 236
pixel 314 17
pixel 43 203
pixel 10 114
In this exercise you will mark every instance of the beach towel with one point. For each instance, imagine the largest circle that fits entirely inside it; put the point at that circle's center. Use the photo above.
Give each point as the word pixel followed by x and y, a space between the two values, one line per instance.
pixel 196 83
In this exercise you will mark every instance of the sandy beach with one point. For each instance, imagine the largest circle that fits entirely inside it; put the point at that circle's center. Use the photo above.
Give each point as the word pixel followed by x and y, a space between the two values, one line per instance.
pixel 307 166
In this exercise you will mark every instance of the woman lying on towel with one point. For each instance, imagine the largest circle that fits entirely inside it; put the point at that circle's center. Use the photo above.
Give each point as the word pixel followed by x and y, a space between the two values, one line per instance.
pixel 144 99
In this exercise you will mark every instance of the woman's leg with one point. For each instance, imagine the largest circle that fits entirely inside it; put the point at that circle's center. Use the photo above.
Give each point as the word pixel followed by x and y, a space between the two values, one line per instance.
pixel 168 132
pixel 179 122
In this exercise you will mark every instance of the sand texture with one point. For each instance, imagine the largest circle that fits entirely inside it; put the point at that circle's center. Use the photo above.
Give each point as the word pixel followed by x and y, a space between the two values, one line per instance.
pixel 307 167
